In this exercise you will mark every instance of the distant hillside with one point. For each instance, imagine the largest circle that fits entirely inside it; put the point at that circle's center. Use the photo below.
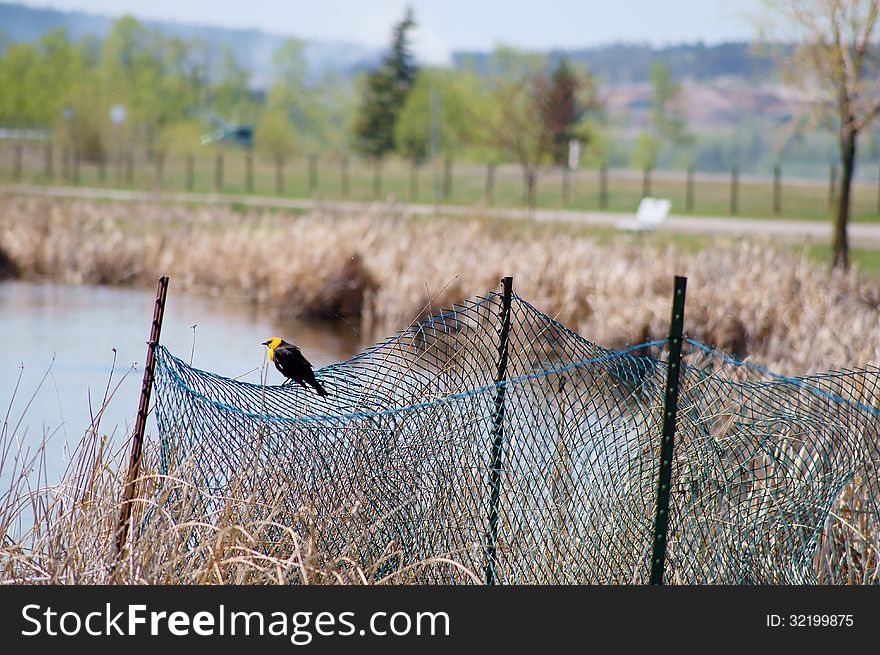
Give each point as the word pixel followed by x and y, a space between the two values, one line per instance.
pixel 252 48
pixel 631 63
pixel 615 64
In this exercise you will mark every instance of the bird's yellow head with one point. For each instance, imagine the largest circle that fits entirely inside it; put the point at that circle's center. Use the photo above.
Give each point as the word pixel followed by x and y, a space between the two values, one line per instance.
pixel 272 344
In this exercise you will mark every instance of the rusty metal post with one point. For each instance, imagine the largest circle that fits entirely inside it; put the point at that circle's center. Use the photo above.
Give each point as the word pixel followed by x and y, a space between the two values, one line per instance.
pixel 134 463
pixel 498 433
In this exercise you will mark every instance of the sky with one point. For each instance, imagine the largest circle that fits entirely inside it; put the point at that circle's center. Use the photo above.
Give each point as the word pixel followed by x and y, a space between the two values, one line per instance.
pixel 449 25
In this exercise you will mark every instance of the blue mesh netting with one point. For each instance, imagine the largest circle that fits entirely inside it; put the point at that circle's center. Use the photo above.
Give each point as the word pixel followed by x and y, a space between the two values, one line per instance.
pixel 773 477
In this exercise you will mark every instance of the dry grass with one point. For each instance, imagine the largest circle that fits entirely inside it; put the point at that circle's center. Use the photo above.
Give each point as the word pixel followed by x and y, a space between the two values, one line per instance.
pixel 776 307
pixel 63 533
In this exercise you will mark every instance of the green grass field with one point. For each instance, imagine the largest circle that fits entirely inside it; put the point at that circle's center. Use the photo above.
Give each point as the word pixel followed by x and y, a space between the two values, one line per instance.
pixel 712 195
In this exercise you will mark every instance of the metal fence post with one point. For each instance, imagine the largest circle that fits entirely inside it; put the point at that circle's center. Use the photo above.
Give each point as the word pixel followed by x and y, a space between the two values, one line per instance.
pixel 689 190
pixel 566 184
pixel 490 182
pixel 128 492
pixel 279 175
pixel 603 187
pixel 16 164
pixel 49 168
pixel 664 476
pixel 190 172
pixel 377 177
pixel 313 173
pixel 734 190
pixel 777 190
pixel 498 432
pixel 218 173
pixel 413 179
pixel 832 184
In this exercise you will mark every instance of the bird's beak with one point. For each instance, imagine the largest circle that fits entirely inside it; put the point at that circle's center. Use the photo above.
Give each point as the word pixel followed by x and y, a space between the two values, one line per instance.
pixel 265 343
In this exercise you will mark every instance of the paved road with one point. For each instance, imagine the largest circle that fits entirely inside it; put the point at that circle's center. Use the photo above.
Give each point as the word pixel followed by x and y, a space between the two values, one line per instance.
pixel 862 235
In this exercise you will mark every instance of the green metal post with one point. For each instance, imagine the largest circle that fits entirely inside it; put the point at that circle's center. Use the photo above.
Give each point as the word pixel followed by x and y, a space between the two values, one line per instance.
pixel 664 476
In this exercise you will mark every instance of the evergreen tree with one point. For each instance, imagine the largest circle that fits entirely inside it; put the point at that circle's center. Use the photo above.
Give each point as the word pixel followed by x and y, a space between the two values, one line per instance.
pixel 385 94
pixel 561 110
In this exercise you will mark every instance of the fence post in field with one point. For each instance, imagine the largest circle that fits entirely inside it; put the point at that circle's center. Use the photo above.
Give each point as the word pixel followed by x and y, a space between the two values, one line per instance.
pixel 566 191
pixel 603 187
pixel 667 439
pixel 646 182
pixel 313 173
pixel 129 168
pixel 16 162
pixel 832 184
pixel 447 178
pixel 689 191
pixel 490 182
pixel 102 167
pixel 218 172
pixel 49 169
pixel 118 165
pixel 134 462
pixel 377 177
pixel 734 189
pixel 65 163
pixel 344 188
pixel 413 179
pixel 777 190
pixel 279 175
pixel 530 178
pixel 249 171
pixel 497 453
pixel 190 171
pixel 75 176
pixel 160 169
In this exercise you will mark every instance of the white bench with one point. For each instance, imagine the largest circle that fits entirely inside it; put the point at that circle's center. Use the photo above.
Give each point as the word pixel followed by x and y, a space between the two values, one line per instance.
pixel 651 212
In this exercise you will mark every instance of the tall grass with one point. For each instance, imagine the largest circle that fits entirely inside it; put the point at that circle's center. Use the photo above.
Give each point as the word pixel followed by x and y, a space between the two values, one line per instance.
pixel 775 306
pixel 63 532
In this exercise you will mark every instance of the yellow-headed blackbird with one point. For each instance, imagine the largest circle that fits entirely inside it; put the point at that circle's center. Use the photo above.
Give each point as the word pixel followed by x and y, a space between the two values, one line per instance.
pixel 292 364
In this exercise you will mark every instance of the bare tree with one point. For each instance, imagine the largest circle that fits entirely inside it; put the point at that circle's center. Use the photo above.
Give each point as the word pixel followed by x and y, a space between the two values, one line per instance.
pixel 837 55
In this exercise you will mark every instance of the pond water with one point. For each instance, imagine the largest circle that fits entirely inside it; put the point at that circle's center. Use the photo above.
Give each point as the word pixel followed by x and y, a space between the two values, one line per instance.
pixel 56 354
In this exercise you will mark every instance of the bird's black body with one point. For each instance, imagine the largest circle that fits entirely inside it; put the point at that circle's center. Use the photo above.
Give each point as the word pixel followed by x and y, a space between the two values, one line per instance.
pixel 293 365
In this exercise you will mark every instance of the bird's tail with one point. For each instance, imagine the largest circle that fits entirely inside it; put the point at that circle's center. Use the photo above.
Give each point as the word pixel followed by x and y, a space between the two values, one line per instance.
pixel 321 391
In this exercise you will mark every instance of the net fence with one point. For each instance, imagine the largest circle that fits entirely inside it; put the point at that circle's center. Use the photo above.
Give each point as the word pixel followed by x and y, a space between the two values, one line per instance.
pixel 543 470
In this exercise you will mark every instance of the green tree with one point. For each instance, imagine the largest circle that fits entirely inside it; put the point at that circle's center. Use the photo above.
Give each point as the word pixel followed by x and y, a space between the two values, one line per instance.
pixel 667 124
pixel 384 95
pixel 569 106
pixel 459 94
pixel 666 118
pixel 517 128
pixel 837 55
pixel 561 110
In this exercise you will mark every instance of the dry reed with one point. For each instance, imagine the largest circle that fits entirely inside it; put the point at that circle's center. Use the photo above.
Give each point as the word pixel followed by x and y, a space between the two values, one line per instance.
pixel 773 306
